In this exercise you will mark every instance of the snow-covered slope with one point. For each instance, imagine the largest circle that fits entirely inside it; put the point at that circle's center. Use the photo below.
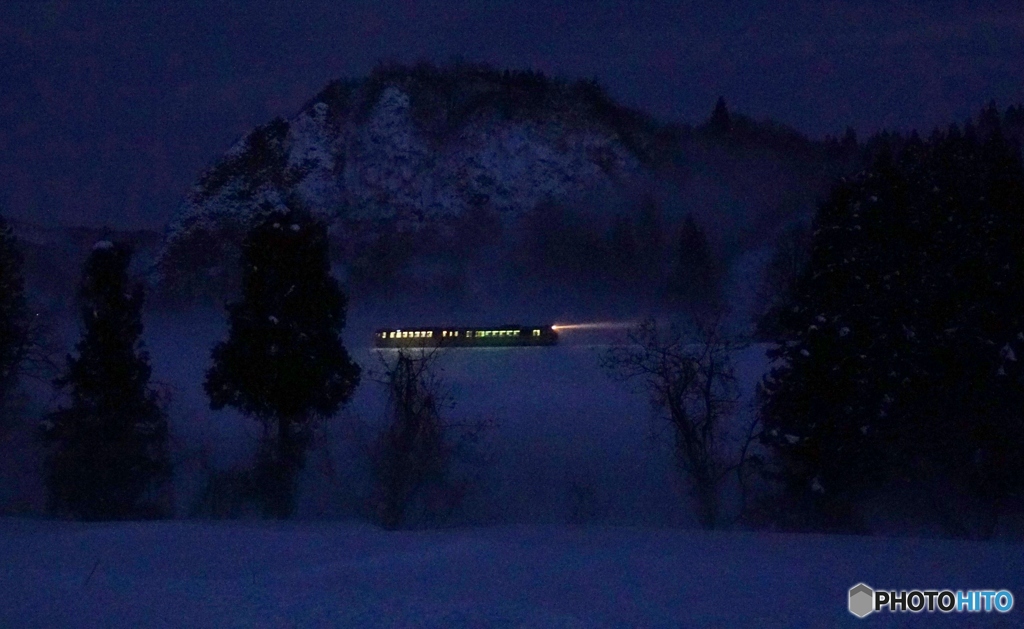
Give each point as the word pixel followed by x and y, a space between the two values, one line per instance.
pixel 192 574
pixel 413 145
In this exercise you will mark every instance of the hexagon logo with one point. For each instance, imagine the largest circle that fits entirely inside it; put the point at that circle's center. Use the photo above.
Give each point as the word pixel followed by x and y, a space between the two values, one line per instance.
pixel 862 600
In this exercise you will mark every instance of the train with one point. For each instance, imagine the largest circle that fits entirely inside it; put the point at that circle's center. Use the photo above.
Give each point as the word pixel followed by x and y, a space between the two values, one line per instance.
pixel 509 335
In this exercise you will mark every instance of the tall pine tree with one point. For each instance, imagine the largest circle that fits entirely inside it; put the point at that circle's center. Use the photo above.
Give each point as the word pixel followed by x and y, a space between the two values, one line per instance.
pixel 721 120
pixel 109 445
pixel 283 362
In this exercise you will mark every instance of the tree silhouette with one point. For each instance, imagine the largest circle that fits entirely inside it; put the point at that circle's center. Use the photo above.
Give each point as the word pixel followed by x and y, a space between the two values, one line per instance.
pixel 283 362
pixel 688 376
pixel 694 277
pixel 109 458
pixel 721 121
pixel 14 324
pixel 899 353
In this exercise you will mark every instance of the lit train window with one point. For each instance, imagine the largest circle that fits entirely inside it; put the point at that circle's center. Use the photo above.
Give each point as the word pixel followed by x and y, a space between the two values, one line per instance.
pixel 430 334
pixel 536 332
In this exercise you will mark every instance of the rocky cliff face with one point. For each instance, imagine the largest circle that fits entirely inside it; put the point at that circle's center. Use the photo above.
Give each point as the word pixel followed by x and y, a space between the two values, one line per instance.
pixel 408 146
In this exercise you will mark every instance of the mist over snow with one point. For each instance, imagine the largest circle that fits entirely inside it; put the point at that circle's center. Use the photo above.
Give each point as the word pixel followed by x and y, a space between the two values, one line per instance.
pixel 567 444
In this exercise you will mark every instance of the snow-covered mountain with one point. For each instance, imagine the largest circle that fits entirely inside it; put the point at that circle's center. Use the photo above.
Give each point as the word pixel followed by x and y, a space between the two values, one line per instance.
pixel 410 146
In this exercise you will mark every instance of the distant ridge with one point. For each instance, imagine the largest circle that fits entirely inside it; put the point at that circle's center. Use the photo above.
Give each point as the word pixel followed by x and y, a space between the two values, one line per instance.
pixel 410 145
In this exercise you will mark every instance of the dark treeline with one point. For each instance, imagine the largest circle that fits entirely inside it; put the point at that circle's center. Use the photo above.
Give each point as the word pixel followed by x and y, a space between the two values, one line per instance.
pixel 898 375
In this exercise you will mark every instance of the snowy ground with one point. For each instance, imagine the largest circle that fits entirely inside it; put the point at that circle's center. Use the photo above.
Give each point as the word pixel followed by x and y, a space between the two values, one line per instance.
pixel 577 523
pixel 191 574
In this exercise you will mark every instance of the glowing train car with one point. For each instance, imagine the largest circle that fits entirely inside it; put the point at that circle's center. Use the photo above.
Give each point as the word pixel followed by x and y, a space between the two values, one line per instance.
pixel 501 336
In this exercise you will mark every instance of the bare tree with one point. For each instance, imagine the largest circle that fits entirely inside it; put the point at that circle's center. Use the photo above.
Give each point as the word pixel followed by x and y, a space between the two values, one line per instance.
pixel 412 458
pixel 688 375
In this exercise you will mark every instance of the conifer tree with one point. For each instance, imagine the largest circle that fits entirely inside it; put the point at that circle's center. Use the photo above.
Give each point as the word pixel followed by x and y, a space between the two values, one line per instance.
pixel 694 278
pixel 14 327
pixel 721 121
pixel 650 238
pixel 283 362
pixel 778 281
pixel 109 457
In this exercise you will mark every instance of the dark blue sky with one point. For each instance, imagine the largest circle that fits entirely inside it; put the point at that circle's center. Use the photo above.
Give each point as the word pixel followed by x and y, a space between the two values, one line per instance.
pixel 110 109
